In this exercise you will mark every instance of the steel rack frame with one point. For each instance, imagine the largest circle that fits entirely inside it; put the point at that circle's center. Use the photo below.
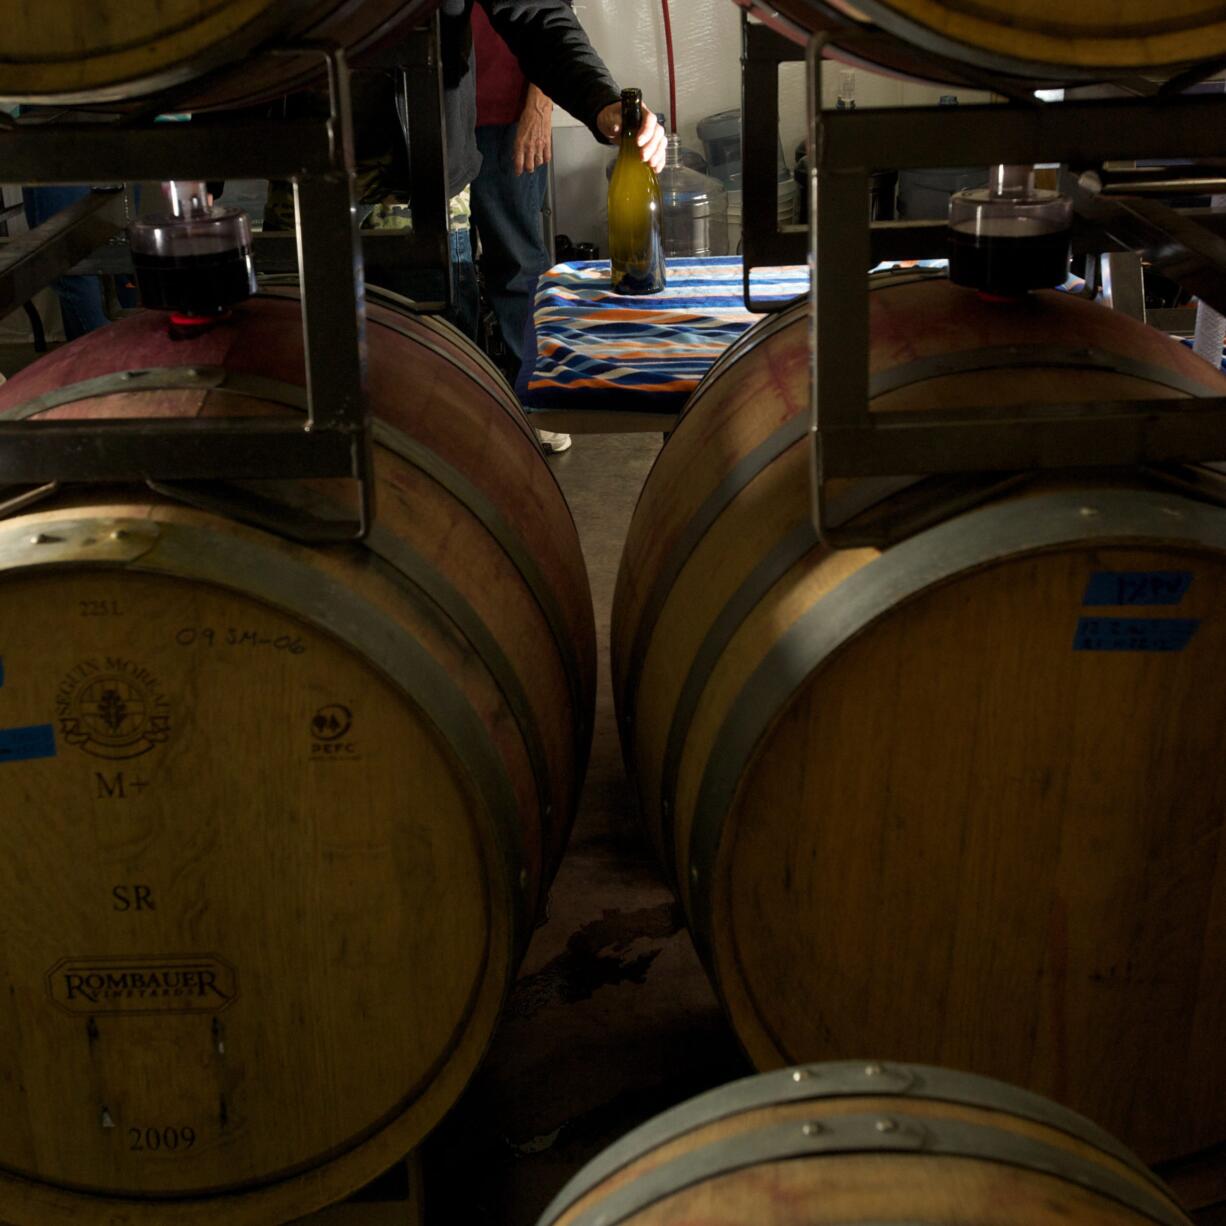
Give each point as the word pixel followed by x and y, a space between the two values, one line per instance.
pixel 972 450
pixel 199 461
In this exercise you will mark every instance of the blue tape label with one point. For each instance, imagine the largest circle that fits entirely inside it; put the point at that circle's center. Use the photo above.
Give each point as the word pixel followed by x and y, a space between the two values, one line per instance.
pixel 21 744
pixel 1122 587
pixel 1134 633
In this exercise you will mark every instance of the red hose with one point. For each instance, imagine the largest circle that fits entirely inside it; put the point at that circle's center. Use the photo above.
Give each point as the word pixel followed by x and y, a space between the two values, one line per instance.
pixel 672 75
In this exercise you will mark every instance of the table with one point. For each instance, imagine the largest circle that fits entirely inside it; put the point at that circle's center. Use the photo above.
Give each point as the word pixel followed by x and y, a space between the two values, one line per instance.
pixel 608 363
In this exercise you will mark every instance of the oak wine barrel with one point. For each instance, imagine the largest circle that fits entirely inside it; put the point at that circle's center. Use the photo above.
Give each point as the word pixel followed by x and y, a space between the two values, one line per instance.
pixel 192 55
pixel 276 820
pixel 869 1143
pixel 960 800
pixel 1034 41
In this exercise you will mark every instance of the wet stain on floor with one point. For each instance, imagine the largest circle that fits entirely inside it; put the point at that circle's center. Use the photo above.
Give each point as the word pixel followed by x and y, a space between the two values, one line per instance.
pixel 603 953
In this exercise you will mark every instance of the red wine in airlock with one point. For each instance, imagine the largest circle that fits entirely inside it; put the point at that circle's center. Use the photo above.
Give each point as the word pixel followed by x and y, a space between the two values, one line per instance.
pixel 207 284
pixel 1012 257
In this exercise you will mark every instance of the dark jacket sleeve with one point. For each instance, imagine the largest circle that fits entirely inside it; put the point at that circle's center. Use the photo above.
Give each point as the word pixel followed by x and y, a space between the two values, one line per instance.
pixel 554 52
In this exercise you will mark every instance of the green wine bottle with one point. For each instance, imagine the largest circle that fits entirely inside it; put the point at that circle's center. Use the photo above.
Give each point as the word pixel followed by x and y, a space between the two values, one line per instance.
pixel 635 246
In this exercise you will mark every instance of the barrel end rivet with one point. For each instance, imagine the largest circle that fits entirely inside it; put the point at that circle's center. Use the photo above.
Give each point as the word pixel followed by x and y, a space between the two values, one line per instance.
pixel 811 1129
pixel 45 538
pixel 886 1125
pixel 120 534
pixel 801 1074
pixel 873 1070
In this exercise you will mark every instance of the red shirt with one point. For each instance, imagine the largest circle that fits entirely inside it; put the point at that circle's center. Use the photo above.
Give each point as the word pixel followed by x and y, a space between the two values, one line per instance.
pixel 501 86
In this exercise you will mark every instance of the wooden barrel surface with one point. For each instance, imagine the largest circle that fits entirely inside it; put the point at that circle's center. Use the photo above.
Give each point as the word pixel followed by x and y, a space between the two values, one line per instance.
pixel 198 55
pixel 276 820
pixel 865 1143
pixel 1030 40
pixel 958 801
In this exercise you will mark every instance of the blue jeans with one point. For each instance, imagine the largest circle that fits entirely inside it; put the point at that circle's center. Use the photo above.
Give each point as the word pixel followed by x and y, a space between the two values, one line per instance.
pixel 507 210
pixel 80 297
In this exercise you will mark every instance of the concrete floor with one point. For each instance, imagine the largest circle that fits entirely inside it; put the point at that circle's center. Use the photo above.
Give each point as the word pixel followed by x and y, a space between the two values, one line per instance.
pixel 612 1019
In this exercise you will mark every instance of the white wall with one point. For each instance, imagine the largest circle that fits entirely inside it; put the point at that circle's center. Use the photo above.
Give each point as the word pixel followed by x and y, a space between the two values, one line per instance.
pixel 629 35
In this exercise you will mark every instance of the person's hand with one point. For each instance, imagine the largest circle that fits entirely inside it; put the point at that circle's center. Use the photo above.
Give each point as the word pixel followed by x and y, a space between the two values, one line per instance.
pixel 533 133
pixel 651 139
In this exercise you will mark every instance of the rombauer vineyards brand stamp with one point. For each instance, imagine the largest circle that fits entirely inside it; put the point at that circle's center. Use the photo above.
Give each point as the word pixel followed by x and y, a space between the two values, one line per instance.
pixel 112 707
pixel 187 983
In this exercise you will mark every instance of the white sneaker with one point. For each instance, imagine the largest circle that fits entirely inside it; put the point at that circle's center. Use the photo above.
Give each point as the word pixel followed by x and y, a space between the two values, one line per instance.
pixel 553 443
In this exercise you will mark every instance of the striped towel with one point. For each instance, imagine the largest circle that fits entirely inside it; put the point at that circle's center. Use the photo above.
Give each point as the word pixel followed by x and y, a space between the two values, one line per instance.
pixel 599 350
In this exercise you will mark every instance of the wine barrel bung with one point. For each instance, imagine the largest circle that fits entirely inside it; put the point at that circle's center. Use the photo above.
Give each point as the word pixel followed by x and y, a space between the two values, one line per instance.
pixel 870 1143
pixel 276 819
pixel 1026 40
pixel 200 55
pixel 958 799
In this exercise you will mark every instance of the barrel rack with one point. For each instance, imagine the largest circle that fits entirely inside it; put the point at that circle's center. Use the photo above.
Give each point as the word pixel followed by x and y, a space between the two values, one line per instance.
pixel 198 461
pixel 973 450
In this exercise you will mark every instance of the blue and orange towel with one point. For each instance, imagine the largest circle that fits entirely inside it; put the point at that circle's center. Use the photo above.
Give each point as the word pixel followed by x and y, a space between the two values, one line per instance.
pixel 599 350
pixel 603 351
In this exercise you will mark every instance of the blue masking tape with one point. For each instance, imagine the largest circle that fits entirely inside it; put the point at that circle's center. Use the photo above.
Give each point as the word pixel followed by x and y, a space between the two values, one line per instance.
pixel 1137 587
pixel 1134 633
pixel 22 744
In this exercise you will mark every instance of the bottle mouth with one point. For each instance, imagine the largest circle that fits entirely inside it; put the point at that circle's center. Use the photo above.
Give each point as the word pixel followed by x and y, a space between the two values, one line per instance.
pixel 632 112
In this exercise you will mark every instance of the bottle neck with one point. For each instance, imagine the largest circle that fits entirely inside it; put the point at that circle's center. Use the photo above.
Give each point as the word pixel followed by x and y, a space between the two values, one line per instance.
pixel 632 119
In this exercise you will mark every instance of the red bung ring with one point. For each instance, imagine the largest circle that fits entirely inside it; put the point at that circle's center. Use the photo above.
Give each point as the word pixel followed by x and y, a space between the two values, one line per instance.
pixel 183 327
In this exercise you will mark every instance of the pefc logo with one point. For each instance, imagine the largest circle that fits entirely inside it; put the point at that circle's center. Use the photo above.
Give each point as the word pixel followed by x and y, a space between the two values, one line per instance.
pixel 330 728
pixel 197 983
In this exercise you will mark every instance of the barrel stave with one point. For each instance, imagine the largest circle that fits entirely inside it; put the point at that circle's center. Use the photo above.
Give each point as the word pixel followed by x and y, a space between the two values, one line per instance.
pixel 793 730
pixel 371 906
pixel 184 55
pixel 867 1143
pixel 1027 43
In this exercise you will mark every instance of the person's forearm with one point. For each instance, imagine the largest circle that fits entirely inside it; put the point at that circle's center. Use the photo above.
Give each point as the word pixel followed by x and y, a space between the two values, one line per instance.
pixel 533 132
pixel 537 101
